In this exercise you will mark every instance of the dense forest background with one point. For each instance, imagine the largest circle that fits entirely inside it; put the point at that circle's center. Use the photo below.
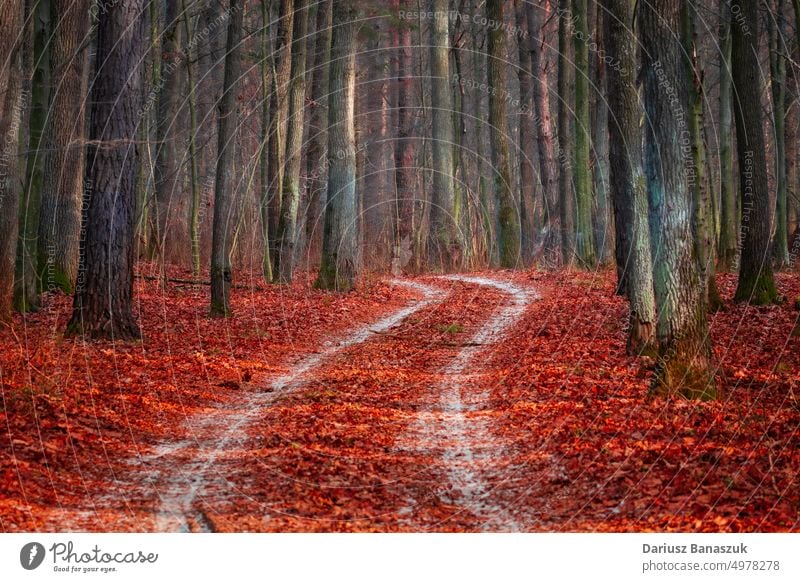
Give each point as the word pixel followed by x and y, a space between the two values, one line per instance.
pixel 345 136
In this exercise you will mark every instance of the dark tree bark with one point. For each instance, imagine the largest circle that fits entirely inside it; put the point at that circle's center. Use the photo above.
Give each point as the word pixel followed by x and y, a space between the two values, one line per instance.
pixel 584 234
pixel 527 135
pixel 375 149
pixel 603 232
pixel 104 289
pixel 11 101
pixel 290 191
pixel 538 14
pixel 60 220
pixel 316 167
pixel 756 282
pixel 225 185
pixel 627 176
pixel 405 150
pixel 264 151
pixel 38 83
pixel 729 219
pixel 171 233
pixel 778 47
pixel 508 225
pixel 279 111
pixel 26 284
pixel 684 364
pixel 339 267
pixel 566 77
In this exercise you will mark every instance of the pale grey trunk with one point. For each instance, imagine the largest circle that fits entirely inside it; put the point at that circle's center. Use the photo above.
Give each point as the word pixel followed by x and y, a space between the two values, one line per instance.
pixel 339 267
pixel 684 365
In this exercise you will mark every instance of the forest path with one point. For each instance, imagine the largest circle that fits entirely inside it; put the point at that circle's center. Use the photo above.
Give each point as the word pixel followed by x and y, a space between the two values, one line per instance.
pixel 193 461
pixel 456 425
pixel 387 427
pixel 392 434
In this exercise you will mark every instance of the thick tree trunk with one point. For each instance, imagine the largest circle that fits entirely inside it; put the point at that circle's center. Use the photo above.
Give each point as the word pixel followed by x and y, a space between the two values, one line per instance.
pixel 444 246
pixel 339 267
pixel 538 15
pixel 279 111
pixel 729 219
pixel 60 221
pixel 171 231
pixel 756 282
pixel 11 101
pixel 375 149
pixel 225 185
pixel 508 225
pixel 104 289
pixel 627 178
pixel 584 234
pixel 566 76
pixel 26 284
pixel 290 196
pixel 405 150
pixel 316 159
pixel 684 365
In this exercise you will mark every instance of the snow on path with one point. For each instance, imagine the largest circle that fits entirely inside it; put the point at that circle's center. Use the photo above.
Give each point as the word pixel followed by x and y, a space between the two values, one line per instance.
pixel 467 442
pixel 213 433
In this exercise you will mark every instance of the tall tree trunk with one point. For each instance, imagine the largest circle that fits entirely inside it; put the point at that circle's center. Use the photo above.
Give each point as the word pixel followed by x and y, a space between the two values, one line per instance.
pixel 780 243
pixel 702 207
pixel 194 215
pixel 375 149
pixel 36 120
pixel 443 243
pixel 316 159
pixel 756 282
pixel 264 150
pixel 225 184
pixel 168 183
pixel 684 365
pixel 538 14
pixel 11 101
pixel 526 135
pixel 405 150
pixel 566 76
pixel 339 266
pixel 104 289
pixel 627 178
pixel 508 225
pixel 60 221
pixel 279 111
pixel 584 234
pixel 604 238
pixel 290 196
pixel 729 219
pixel 26 285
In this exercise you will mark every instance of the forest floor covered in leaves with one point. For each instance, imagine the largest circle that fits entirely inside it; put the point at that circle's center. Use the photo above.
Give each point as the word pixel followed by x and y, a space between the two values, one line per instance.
pixel 501 402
